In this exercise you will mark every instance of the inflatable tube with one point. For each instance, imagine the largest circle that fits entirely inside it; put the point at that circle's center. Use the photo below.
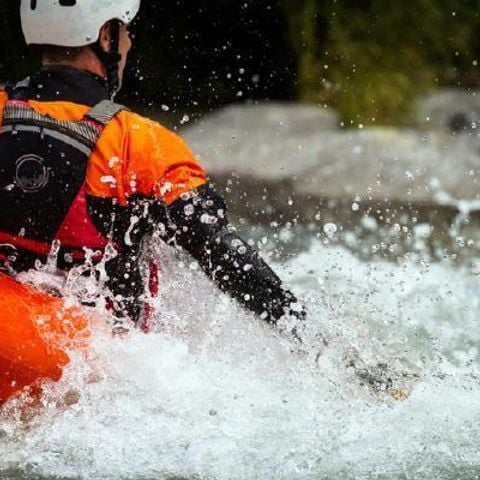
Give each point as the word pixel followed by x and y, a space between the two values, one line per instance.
pixel 36 332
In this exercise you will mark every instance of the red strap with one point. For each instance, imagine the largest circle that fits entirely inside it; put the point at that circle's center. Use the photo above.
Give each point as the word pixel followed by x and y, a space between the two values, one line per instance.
pixel 19 102
pixel 153 281
pixel 93 123
pixel 154 288
pixel 77 229
pixel 35 246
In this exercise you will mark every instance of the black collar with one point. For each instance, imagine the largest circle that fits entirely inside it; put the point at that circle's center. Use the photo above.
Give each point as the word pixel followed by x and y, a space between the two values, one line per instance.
pixel 61 83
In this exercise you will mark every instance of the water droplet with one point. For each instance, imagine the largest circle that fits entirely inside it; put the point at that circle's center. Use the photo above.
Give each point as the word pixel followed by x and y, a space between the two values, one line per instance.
pixel 330 229
pixel 189 210
pixel 109 179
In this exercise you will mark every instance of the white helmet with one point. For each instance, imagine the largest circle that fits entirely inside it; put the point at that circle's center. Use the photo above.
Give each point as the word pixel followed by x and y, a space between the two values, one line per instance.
pixel 72 23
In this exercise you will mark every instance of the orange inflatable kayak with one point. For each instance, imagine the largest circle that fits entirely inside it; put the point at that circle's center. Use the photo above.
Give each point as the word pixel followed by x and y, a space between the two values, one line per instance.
pixel 36 332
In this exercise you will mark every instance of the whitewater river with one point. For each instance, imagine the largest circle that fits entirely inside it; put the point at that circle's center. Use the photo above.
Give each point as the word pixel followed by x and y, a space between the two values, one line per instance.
pixel 214 394
pixel 386 382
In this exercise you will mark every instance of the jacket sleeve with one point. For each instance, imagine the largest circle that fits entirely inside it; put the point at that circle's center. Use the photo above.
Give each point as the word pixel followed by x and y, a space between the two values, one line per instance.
pixel 198 223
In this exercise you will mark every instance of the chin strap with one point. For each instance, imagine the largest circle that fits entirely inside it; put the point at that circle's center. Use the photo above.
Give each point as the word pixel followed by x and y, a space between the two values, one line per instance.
pixel 111 59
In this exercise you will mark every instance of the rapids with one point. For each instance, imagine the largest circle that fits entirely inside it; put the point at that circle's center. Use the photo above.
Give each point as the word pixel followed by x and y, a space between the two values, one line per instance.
pixel 213 393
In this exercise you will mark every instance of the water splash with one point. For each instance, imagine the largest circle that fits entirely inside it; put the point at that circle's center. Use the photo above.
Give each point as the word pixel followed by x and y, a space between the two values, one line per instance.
pixel 213 393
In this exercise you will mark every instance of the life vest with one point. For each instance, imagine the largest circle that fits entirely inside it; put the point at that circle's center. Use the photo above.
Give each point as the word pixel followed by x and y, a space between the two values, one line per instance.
pixel 137 167
pixel 42 182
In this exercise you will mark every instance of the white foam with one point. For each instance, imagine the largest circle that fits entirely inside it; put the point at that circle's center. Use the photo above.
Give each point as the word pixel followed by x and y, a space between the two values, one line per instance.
pixel 216 394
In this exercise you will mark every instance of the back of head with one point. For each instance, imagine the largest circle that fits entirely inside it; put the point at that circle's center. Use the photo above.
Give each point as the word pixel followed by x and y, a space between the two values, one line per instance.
pixel 72 23
pixel 63 27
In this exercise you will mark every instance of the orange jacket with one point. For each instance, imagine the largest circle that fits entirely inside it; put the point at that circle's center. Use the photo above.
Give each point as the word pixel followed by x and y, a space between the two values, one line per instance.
pixel 134 155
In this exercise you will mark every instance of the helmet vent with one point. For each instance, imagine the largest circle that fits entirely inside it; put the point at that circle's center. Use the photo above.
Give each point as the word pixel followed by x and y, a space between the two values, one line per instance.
pixel 67 3
pixel 33 4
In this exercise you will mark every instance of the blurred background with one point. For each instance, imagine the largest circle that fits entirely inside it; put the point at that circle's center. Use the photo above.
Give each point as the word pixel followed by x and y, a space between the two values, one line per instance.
pixel 368 59
pixel 355 118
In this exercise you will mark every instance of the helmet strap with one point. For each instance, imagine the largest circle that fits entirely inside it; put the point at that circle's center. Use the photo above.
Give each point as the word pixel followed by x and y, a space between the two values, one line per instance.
pixel 110 59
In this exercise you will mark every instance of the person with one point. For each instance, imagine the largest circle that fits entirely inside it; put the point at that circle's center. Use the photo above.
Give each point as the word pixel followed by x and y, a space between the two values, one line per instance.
pixel 92 180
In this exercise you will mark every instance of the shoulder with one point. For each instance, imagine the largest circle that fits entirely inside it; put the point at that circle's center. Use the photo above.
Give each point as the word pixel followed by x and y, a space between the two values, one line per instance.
pixel 145 133
pixel 159 159
pixel 143 125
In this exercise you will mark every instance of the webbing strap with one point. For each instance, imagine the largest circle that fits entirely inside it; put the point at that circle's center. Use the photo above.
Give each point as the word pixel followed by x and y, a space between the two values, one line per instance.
pixel 18 113
pixel 104 111
pixel 65 138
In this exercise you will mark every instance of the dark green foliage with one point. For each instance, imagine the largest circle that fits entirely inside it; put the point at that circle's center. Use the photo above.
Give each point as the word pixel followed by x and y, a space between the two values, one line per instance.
pixel 369 58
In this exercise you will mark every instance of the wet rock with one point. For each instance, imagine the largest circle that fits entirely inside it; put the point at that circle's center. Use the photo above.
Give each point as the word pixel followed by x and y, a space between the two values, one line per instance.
pixel 244 121
pixel 381 379
pixel 389 164
pixel 370 164
pixel 456 110
pixel 264 140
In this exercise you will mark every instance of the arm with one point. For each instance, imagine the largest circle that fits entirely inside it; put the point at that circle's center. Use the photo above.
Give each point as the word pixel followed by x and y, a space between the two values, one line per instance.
pixel 197 222
pixel 166 171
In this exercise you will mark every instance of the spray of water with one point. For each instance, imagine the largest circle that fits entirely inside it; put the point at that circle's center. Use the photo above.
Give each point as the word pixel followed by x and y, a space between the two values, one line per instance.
pixel 214 393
